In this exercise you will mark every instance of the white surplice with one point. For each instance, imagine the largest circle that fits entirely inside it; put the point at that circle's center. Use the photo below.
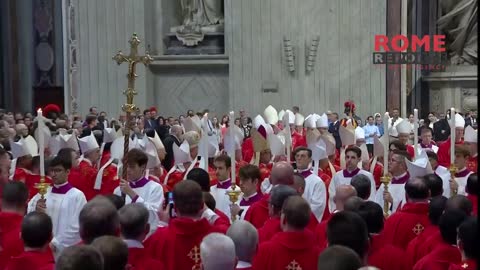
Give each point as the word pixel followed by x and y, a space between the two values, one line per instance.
pixel 222 200
pixel 339 179
pixel 397 191
pixel 64 210
pixel 315 194
pixel 151 196
pixel 462 181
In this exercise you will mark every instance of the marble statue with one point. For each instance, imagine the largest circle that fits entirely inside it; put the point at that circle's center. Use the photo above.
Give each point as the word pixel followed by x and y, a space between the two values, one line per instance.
pixel 459 23
pixel 199 17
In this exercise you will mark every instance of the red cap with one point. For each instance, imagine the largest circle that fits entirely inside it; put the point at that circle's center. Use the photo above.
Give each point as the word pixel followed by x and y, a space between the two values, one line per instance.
pixel 349 104
pixel 51 108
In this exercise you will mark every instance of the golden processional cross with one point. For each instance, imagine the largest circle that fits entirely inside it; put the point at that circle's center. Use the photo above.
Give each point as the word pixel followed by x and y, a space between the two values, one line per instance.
pixel 129 107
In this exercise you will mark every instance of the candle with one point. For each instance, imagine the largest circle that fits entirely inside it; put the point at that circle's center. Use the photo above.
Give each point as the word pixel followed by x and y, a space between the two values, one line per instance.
pixel 386 141
pixel 41 142
pixel 232 150
pixel 415 132
pixel 452 135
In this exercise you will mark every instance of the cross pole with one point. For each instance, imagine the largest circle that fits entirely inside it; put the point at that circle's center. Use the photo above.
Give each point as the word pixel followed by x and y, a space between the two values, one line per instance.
pixel 129 107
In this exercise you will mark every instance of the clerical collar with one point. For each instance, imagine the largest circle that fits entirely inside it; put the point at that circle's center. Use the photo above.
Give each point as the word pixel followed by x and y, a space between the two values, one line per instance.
pixel 430 145
pixel 305 173
pixel 224 184
pixel 348 174
pixel 242 265
pixel 133 243
pixel 401 179
pixel 62 189
pixel 247 201
pixel 462 173
pixel 139 183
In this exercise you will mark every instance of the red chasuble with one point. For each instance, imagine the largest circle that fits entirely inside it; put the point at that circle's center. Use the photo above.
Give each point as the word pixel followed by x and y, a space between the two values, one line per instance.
pixel 30 182
pixel 247 150
pixel 298 140
pixel 222 223
pixel 377 172
pixel 321 233
pixel 472 164
pixel 21 174
pixel 385 256
pixel 288 250
pixel 10 242
pixel 444 153
pixel 110 180
pixel 440 258
pixel 174 178
pixel 257 214
pixel 272 226
pixel 265 170
pixel 470 264
pixel 405 224
pixel 88 174
pixel 32 260
pixel 413 249
pixel 139 259
pixel 429 244
pixel 104 158
pixel 178 245
pixel 411 151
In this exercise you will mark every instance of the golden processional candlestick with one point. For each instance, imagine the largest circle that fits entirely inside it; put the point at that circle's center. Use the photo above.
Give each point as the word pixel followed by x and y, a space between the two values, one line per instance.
pixel 385 180
pixel 129 107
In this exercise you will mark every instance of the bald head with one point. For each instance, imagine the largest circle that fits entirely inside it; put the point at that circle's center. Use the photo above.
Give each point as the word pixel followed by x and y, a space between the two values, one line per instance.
pixel 282 174
pixel 342 194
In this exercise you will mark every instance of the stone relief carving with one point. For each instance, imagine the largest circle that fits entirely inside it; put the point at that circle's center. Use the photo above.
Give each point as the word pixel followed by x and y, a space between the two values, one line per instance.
pixel 435 100
pixel 459 23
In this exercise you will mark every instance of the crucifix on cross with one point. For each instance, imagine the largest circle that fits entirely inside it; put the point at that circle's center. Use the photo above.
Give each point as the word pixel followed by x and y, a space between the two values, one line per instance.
pixel 293 265
pixel 418 229
pixel 129 107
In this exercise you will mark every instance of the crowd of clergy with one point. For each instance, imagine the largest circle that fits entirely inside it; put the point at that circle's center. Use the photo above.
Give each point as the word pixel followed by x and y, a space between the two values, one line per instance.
pixel 291 194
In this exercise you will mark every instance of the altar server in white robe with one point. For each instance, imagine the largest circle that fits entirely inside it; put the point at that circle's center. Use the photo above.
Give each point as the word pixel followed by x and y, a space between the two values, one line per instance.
pixel 315 191
pixel 249 176
pixel 462 154
pixel 223 165
pixel 62 203
pixel 353 156
pixel 441 172
pixel 427 143
pixel 138 189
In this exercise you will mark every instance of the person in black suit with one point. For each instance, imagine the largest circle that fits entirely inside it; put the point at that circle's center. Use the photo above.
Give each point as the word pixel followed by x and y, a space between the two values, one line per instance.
pixel 333 129
pixel 175 136
pixel 470 120
pixel 441 129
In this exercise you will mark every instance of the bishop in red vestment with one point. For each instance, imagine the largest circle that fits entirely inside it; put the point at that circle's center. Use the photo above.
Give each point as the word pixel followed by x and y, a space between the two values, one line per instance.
pixel 88 174
pixel 294 247
pixel 134 229
pixel 178 245
pixel 410 221
pixel 36 235
pixel 445 252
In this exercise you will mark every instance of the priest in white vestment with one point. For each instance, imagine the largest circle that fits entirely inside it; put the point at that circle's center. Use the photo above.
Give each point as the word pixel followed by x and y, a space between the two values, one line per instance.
pixel 397 167
pixel 138 189
pixel 353 156
pixel 63 204
pixel 315 191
